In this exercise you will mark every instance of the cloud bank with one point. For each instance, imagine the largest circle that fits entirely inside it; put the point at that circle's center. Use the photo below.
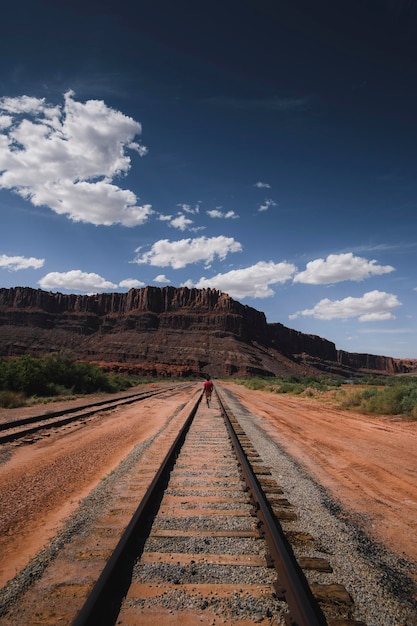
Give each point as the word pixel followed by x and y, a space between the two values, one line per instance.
pixel 16 263
pixel 339 267
pixel 178 254
pixel 373 306
pixel 77 280
pixel 253 281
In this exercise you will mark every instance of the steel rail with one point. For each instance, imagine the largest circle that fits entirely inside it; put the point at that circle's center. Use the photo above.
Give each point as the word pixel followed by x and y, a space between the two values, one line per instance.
pixel 74 413
pixel 304 609
pixel 45 416
pixel 103 604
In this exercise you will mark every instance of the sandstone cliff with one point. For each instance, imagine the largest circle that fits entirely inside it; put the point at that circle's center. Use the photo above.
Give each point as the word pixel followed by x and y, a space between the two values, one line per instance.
pixel 170 332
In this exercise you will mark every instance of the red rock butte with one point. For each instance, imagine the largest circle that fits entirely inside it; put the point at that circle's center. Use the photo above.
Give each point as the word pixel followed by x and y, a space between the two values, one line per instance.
pixel 172 332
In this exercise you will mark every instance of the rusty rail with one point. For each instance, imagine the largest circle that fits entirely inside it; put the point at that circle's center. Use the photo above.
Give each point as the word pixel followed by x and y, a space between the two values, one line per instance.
pixel 291 584
pixel 66 416
pixel 103 603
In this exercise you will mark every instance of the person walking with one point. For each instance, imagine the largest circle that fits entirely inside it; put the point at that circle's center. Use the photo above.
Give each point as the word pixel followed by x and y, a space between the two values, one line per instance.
pixel 208 389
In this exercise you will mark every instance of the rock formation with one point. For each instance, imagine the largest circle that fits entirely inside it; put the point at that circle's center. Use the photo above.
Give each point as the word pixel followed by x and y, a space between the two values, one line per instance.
pixel 171 332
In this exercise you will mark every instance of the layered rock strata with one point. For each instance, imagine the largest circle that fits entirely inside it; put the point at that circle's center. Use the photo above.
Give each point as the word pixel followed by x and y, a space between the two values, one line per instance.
pixel 171 332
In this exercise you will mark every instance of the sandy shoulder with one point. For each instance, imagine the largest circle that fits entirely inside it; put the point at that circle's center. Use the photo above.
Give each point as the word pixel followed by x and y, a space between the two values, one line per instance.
pixel 42 484
pixel 368 463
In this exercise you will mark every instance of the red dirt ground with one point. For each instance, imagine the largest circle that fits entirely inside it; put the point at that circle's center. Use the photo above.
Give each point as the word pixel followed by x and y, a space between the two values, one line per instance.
pixel 368 463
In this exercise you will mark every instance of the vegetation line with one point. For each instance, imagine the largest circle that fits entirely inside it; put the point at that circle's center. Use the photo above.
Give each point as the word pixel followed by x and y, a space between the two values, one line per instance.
pixel 26 379
pixel 383 395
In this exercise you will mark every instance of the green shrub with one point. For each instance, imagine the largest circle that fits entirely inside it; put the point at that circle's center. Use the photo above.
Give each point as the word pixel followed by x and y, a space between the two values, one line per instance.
pixel 386 395
pixel 292 388
pixel 349 400
pixel 291 384
pixel 255 384
pixel 395 398
pixel 56 374
pixel 409 402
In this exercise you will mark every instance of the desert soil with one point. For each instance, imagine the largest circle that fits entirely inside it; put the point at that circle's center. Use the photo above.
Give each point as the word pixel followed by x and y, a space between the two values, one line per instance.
pixel 367 463
pixel 42 484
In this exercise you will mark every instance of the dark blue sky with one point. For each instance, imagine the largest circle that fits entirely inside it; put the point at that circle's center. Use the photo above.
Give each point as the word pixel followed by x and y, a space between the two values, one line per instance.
pixel 266 149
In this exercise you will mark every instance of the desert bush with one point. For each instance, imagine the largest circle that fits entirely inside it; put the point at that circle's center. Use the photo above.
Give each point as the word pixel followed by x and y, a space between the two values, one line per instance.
pixel 12 399
pixel 396 397
pixel 291 384
pixel 349 399
pixel 290 387
pixel 255 384
pixel 56 374
pixel 394 400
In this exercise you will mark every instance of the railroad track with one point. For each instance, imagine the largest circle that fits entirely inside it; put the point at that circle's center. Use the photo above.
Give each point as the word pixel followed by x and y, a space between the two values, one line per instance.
pixel 206 544
pixel 26 427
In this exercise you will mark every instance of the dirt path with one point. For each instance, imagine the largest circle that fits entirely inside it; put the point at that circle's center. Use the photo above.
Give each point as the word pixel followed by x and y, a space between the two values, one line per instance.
pixel 43 483
pixel 369 463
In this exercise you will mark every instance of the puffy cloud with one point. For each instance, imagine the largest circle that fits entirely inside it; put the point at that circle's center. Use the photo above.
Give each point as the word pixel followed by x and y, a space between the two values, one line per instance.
pixel 181 222
pixel 373 306
pixel 266 205
pixel 23 104
pixel 131 283
pixel 339 267
pixel 161 278
pixel 20 262
pixel 227 215
pixel 178 254
pixel 261 185
pixel 66 157
pixel 253 281
pixel 75 280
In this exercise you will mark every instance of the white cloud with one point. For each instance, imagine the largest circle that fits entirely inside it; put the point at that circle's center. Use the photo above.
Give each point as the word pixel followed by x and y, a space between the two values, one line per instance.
pixel 181 222
pixel 23 104
pixel 253 281
pixel 339 267
pixel 266 205
pixel 75 280
pixel 216 213
pixel 373 306
pixel 189 209
pixel 131 283
pixel 16 263
pixel 161 278
pixel 262 185
pixel 66 157
pixel 5 121
pixel 178 254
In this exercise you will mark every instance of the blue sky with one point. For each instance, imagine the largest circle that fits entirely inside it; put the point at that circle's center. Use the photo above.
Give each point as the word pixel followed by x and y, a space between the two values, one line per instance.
pixel 265 149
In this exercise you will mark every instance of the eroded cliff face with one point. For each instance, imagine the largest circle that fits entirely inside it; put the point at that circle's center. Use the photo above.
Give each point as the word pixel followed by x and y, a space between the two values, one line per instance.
pixel 172 332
